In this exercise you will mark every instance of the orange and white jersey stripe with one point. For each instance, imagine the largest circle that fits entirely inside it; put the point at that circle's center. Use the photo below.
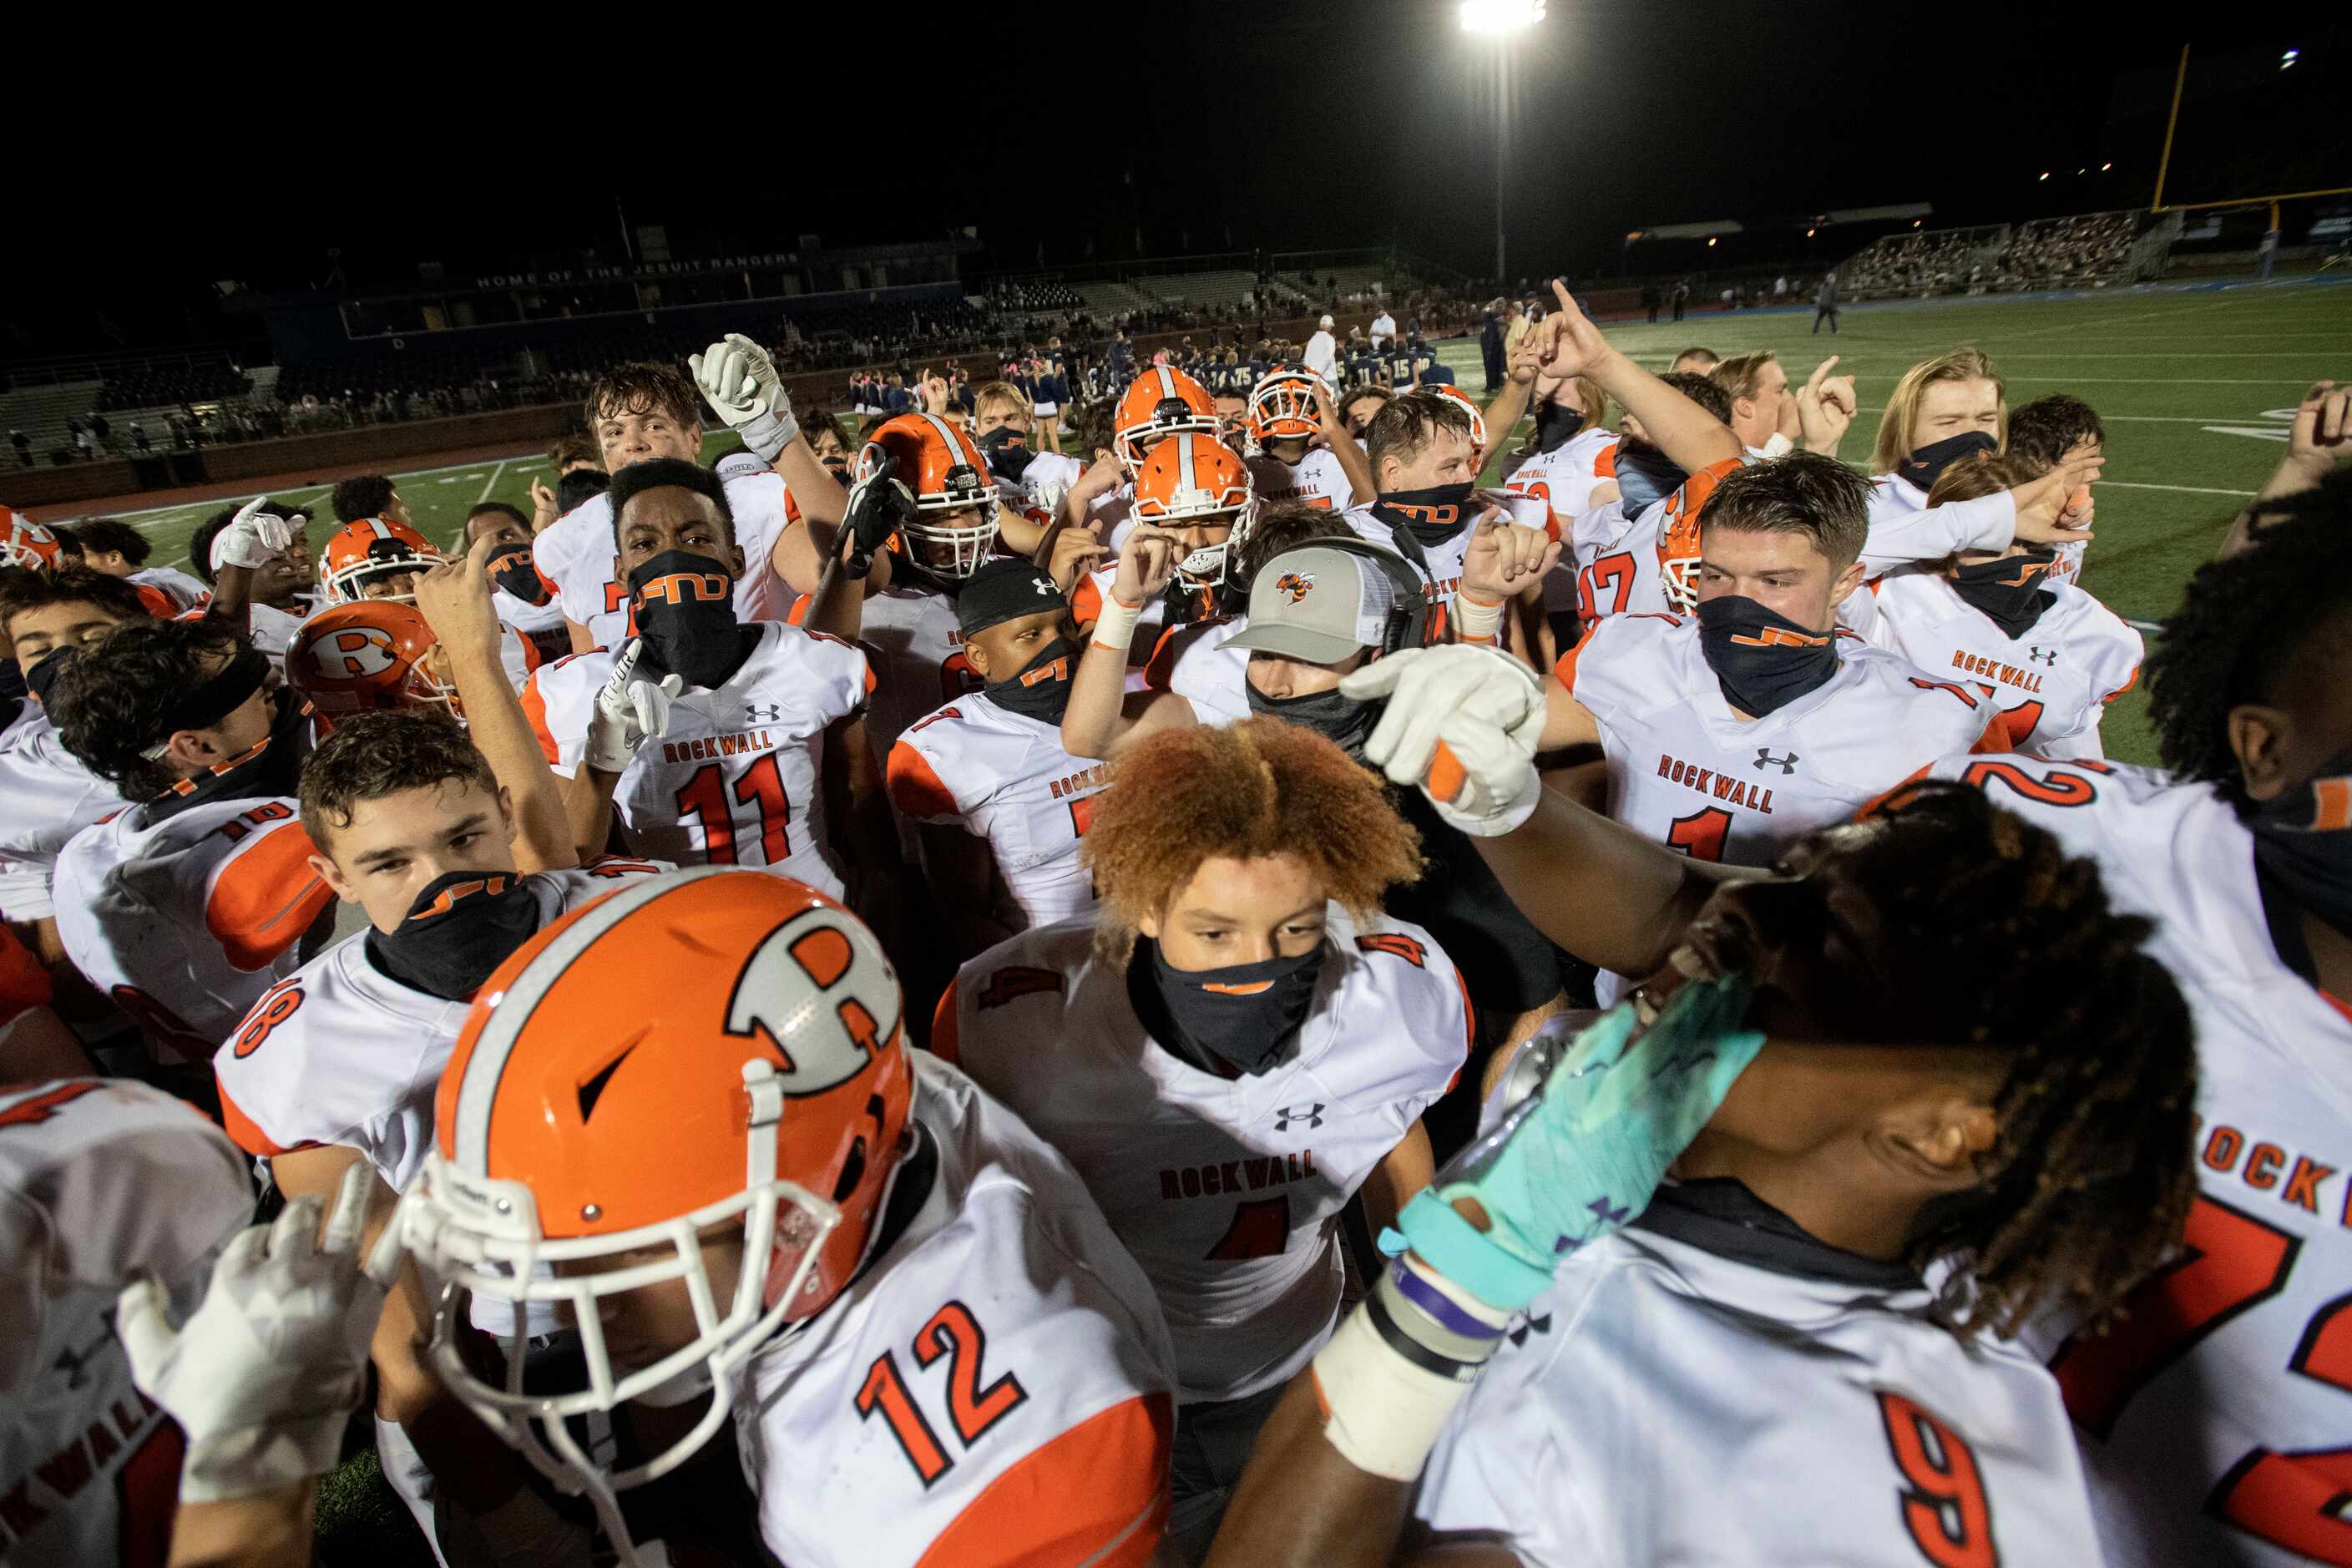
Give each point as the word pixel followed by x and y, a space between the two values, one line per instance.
pixel 184 922
pixel 996 1386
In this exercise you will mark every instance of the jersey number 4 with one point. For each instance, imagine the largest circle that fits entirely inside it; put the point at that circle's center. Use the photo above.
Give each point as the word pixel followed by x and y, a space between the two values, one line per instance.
pixel 2230 1263
pixel 954 1335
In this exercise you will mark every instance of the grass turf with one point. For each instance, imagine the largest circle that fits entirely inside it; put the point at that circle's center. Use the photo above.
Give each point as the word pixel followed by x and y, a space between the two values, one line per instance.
pixel 2194 386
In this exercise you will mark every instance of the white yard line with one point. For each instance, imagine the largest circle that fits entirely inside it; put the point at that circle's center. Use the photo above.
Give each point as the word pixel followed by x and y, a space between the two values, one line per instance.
pixel 493 484
pixel 2184 489
pixel 474 467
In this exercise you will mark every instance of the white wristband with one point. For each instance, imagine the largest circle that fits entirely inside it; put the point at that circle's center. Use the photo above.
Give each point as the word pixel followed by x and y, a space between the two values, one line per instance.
pixel 1476 619
pixel 1384 1413
pixel 1115 627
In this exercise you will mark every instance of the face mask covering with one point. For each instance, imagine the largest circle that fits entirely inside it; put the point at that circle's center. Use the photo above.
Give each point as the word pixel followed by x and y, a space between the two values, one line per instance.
pixel 685 612
pixel 269 769
pixel 1761 658
pixel 1432 515
pixel 1244 1014
pixel 1344 721
pixel 1556 423
pixel 513 570
pixel 1923 467
pixel 2008 592
pixel 1645 476
pixel 42 678
pixel 2303 851
pixel 461 927
pixel 1041 690
pixel 1007 451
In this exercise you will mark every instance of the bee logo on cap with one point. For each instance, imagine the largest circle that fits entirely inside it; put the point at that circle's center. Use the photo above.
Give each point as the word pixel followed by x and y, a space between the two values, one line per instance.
pixel 1293 586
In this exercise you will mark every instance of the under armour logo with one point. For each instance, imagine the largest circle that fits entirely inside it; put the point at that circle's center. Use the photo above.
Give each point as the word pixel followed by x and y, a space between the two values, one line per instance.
pixel 763 712
pixel 2038 655
pixel 1764 759
pixel 1043 587
pixel 1540 1324
pixel 1310 1114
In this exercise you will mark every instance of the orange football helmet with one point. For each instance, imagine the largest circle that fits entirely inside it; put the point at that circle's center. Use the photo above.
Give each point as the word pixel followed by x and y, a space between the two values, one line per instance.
pixel 1282 406
pixel 1477 417
pixel 1161 402
pixel 24 543
pixel 369 550
pixel 943 468
pixel 1192 481
pixel 375 653
pixel 765 1085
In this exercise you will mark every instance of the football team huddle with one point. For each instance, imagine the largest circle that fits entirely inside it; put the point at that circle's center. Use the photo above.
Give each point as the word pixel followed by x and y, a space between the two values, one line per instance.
pixel 1229 995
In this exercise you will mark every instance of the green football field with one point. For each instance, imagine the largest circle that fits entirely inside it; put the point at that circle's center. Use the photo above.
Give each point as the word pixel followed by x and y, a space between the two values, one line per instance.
pixel 2195 387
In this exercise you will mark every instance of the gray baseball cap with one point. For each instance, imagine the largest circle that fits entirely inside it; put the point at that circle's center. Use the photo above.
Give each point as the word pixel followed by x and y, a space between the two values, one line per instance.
pixel 1317 604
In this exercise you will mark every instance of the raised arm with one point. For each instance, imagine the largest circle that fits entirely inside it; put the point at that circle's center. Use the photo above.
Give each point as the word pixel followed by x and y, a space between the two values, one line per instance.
pixel 1102 717
pixel 2321 438
pixel 1569 345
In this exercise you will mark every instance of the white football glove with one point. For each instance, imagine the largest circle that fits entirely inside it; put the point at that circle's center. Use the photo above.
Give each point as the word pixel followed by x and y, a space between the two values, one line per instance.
pixel 740 382
pixel 253 538
pixel 264 1374
pixel 1461 724
pixel 630 711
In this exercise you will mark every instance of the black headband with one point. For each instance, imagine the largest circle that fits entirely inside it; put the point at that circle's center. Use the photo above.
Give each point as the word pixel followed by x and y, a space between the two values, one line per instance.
pixel 1002 591
pixel 216 699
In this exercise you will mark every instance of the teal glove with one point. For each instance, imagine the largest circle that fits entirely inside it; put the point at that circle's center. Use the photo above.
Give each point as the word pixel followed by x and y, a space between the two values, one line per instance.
pixel 1582 1156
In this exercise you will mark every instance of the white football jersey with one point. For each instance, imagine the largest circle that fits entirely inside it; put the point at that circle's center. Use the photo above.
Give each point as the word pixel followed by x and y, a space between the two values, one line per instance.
pixel 2052 684
pixel 735 779
pixel 1621 559
pixel 184 922
pixel 339 1052
pixel 992 1387
pixel 1685 770
pixel 1197 663
pixel 576 554
pixel 1047 479
pixel 168 592
pixel 1086 600
pixel 1664 1403
pixel 1004 778
pixel 1316 478
pixel 46 797
pixel 540 626
pixel 912 640
pixel 1905 530
pixel 1228 1191
pixel 1565 478
pixel 2214 1416
pixel 272 630
pixel 101 1179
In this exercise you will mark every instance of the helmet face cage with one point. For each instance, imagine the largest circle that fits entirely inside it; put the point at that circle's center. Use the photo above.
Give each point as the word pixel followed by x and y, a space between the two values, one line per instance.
pixel 346 585
pixel 1283 406
pixel 1233 505
pixel 29 545
pixel 957 549
pixel 1169 417
pixel 1678 574
pixel 473 1237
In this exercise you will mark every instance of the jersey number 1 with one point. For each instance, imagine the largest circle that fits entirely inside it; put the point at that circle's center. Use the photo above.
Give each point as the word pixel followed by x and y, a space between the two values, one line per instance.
pixel 762 787
pixel 954 1333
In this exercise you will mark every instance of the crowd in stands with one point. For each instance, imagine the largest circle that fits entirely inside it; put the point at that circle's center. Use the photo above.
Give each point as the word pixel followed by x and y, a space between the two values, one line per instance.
pixel 2095 244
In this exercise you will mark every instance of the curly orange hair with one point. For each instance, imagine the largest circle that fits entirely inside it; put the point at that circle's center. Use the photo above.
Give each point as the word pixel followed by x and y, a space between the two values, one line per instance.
pixel 1249 791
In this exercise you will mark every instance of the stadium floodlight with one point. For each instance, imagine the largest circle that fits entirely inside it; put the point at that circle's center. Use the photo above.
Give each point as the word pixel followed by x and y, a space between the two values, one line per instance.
pixel 2285 60
pixel 2105 167
pixel 2046 174
pixel 1500 16
pixel 1710 242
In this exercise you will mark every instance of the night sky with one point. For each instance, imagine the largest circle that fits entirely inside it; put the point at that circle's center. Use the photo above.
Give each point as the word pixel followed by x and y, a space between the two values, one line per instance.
pixel 1204 127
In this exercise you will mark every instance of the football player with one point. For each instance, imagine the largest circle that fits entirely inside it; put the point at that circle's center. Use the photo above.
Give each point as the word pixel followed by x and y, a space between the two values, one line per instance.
pixel 1949 409
pixel 764 753
pixel 2042 434
pixel 2048 653
pixel 761 1205
pixel 46 794
pixel 1918 1085
pixel 185 906
pixel 1160 403
pixel 113 547
pixel 374 558
pixel 338 1062
pixel 1290 411
pixel 1360 407
pixel 642 411
pixel 263 586
pixel 1729 733
pixel 1002 806
pixel 1195 493
pixel 526 600
pixel 2212 1418
pixel 102 1182
pixel 1228 1052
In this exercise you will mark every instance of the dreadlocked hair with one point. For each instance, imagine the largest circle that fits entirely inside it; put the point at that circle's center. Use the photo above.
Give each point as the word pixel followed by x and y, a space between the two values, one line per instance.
pixel 2271 616
pixel 1247 791
pixel 1983 935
